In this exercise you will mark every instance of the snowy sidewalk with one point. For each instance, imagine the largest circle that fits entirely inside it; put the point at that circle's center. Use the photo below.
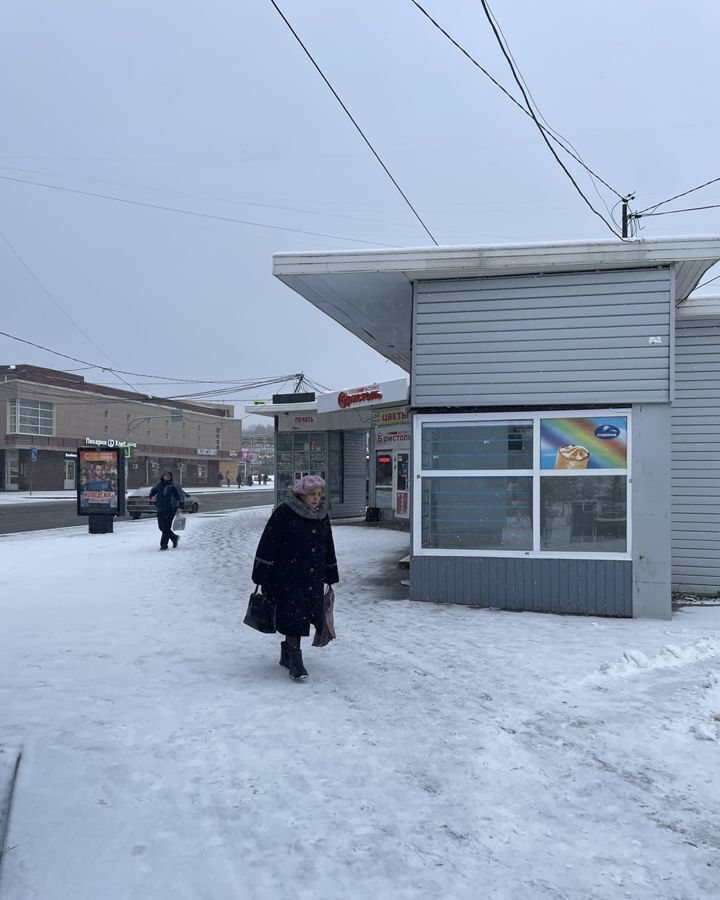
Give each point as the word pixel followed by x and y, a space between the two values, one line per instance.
pixel 10 498
pixel 436 753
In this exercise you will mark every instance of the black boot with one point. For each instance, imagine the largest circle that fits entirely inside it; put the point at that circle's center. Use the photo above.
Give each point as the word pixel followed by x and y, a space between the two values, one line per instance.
pixel 284 654
pixel 296 668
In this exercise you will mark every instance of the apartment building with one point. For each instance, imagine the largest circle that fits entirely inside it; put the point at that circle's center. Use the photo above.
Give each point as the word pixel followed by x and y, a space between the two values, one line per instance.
pixel 46 414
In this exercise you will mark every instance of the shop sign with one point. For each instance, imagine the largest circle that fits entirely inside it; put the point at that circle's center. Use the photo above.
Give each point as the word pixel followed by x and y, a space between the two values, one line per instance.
pixel 69 455
pixel 368 395
pixel 101 482
pixel 108 442
pixel 301 421
pixel 202 452
pixel 584 443
pixel 392 437
pixel 398 416
pixel 232 454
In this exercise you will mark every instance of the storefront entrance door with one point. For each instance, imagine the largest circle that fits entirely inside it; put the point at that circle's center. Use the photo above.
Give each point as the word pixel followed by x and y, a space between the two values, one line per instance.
pixel 401 473
pixel 12 470
pixel 69 482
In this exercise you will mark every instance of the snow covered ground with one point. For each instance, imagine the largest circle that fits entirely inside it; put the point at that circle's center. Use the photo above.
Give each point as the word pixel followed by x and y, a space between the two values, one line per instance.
pixel 10 497
pixel 435 752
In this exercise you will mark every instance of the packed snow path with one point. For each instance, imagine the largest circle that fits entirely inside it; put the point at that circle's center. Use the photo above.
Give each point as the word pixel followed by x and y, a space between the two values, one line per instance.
pixel 435 752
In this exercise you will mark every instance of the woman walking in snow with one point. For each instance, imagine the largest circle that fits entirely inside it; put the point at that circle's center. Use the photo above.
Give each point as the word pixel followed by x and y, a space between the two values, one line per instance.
pixel 295 559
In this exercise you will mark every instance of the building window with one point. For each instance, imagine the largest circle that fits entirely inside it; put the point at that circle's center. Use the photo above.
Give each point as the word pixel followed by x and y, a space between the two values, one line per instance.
pixel 218 438
pixel 30 417
pixel 541 484
pixel 201 472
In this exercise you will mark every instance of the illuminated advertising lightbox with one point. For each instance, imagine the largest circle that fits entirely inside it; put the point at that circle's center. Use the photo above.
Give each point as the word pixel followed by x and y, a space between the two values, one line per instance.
pixel 101 481
pixel 584 443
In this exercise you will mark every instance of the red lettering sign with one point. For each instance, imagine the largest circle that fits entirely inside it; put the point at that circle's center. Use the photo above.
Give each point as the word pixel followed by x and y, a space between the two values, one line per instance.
pixel 358 395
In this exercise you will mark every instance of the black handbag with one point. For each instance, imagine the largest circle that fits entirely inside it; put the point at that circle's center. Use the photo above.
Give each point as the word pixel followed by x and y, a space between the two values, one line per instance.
pixel 260 613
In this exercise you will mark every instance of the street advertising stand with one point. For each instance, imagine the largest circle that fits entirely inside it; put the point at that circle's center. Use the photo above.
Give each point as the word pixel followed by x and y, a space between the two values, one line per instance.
pixel 101 487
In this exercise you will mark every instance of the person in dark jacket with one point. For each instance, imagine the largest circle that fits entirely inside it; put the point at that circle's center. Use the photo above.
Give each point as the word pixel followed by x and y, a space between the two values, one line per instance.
pixel 295 559
pixel 168 498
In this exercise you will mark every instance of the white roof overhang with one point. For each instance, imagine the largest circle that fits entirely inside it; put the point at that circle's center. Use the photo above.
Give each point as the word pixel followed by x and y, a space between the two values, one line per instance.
pixel 369 292
pixel 274 409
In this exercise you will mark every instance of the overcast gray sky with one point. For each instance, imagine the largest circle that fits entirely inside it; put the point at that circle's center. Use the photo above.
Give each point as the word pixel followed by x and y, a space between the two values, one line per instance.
pixel 212 107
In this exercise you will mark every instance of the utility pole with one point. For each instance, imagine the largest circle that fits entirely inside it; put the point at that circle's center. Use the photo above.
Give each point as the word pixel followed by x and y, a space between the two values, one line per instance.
pixel 625 216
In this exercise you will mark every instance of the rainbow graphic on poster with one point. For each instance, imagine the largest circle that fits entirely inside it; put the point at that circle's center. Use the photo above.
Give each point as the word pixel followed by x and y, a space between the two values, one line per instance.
pixel 588 443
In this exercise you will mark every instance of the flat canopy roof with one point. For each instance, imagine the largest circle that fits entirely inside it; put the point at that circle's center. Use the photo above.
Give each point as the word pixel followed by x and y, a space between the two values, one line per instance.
pixel 369 292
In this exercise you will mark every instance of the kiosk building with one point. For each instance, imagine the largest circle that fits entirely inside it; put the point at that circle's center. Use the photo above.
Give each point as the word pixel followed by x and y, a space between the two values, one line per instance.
pixel 548 384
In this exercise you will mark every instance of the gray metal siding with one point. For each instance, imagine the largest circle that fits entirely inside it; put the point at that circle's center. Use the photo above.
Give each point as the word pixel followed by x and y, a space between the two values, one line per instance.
pixel 547 339
pixel 354 476
pixel 569 586
pixel 696 457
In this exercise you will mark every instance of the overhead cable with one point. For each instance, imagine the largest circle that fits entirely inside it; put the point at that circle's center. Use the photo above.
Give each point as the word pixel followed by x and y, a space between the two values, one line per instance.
pixel 102 368
pixel 191 212
pixel 60 307
pixel 552 133
pixel 709 281
pixel 232 200
pixel 670 212
pixel 649 209
pixel 353 120
pixel 543 134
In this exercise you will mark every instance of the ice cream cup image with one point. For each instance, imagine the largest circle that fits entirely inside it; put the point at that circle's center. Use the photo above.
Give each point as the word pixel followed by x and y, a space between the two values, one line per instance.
pixel 572 456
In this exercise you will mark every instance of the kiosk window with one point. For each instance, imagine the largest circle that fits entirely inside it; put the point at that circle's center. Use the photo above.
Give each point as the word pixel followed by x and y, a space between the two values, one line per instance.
pixel 553 483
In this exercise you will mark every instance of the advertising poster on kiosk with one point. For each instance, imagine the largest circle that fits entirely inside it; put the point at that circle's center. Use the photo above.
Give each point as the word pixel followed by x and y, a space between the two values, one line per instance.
pixel 584 443
pixel 101 481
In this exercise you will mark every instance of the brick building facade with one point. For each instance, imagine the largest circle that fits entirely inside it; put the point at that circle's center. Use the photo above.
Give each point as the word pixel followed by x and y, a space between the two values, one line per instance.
pixel 46 414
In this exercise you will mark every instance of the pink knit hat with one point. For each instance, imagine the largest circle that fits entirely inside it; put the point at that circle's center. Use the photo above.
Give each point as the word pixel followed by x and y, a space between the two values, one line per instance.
pixel 308 483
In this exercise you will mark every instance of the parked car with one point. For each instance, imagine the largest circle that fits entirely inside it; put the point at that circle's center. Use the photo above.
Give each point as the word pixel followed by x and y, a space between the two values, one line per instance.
pixel 138 503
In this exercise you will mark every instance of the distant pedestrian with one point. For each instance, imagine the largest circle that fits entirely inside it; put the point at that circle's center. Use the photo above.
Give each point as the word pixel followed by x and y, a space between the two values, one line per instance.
pixel 168 498
pixel 220 479
pixel 239 480
pixel 295 559
pixel 250 480
pixel 227 479
pixel 265 479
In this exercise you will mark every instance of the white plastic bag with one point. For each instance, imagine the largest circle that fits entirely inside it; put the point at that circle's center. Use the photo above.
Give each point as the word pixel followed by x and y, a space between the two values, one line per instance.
pixel 179 521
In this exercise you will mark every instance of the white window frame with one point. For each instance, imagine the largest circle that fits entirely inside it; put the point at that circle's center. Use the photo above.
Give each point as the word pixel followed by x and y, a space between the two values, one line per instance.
pixel 536 473
pixel 13 413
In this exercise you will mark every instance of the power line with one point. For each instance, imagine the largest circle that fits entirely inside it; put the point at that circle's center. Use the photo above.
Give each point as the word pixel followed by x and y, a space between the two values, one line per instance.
pixel 709 281
pixel 232 200
pixel 552 133
pixel 191 212
pixel 235 381
pixel 649 209
pixel 352 119
pixel 506 53
pixel 94 398
pixel 564 142
pixel 59 306
pixel 670 212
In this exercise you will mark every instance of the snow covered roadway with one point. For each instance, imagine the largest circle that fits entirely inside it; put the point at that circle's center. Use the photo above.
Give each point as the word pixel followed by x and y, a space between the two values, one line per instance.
pixel 436 753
